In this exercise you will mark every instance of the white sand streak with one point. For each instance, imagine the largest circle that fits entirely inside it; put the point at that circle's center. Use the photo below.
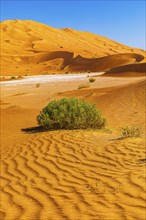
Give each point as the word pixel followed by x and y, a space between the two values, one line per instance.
pixel 49 78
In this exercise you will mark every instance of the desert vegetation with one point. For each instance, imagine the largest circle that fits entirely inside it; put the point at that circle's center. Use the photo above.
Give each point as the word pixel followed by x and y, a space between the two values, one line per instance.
pixel 16 77
pixel 128 132
pixel 70 113
pixel 13 77
pixel 92 80
pixel 73 165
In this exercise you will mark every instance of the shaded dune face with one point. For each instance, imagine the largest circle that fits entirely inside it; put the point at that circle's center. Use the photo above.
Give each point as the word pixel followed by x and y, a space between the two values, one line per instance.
pixel 138 69
pixel 33 48
pixel 101 64
pixel 41 57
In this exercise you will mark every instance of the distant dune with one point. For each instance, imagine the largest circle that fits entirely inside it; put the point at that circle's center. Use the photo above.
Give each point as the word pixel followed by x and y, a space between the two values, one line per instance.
pixel 136 69
pixel 104 63
pixel 32 48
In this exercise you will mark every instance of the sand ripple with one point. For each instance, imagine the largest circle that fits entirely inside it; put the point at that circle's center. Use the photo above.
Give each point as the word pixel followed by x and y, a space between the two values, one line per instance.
pixel 73 175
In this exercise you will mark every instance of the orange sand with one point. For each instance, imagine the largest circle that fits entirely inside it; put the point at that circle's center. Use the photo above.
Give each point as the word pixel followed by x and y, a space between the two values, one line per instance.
pixel 73 174
pixel 137 69
pixel 31 48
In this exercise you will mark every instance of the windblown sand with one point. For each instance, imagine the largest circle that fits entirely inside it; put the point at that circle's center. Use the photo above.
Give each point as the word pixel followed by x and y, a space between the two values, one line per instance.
pixel 32 48
pixel 86 175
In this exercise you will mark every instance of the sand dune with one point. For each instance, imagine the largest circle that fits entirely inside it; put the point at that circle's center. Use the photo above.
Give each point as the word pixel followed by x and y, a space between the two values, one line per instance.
pixel 137 69
pixel 73 174
pixel 125 103
pixel 32 48
pixel 41 57
pixel 101 64
pixel 57 175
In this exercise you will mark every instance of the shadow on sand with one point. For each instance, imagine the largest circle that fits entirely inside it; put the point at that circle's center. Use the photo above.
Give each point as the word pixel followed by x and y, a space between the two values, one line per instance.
pixel 32 130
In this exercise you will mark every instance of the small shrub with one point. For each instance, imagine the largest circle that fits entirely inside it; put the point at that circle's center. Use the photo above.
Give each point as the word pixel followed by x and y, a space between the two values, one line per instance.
pixel 70 113
pixel 83 86
pixel 37 85
pixel 13 77
pixel 130 132
pixel 92 80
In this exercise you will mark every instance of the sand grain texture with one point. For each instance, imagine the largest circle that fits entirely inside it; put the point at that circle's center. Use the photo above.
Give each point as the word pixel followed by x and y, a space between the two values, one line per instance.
pixel 73 174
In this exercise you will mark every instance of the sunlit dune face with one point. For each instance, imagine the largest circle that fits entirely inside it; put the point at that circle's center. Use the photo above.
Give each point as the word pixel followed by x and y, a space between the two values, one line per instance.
pixel 32 48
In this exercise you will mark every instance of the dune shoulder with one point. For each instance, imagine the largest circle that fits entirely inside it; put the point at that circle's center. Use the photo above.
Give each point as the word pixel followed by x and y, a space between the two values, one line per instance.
pixel 137 69
pixel 32 48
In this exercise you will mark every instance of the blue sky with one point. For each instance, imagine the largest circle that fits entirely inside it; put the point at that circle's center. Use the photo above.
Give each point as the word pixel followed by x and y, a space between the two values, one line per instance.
pixel 122 21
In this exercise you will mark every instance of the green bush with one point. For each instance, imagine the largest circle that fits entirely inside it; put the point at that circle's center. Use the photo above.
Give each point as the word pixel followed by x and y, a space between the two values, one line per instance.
pixel 130 132
pixel 92 80
pixel 70 113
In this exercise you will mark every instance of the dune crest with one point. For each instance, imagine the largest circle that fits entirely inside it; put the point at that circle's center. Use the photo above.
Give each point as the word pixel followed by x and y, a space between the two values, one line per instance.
pixel 33 48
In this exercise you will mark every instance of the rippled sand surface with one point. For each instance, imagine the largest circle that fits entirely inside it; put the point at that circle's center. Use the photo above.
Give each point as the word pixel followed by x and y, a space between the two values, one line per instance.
pixel 74 175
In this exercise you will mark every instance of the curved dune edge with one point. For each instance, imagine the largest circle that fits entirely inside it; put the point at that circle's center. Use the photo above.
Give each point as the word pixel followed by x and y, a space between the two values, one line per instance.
pixel 64 62
pixel 101 64
pixel 32 48
pixel 137 69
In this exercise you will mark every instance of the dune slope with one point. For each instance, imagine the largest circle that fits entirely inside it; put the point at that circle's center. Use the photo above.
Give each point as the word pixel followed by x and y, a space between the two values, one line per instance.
pixel 73 174
pixel 137 69
pixel 104 63
pixel 122 106
pixel 33 48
